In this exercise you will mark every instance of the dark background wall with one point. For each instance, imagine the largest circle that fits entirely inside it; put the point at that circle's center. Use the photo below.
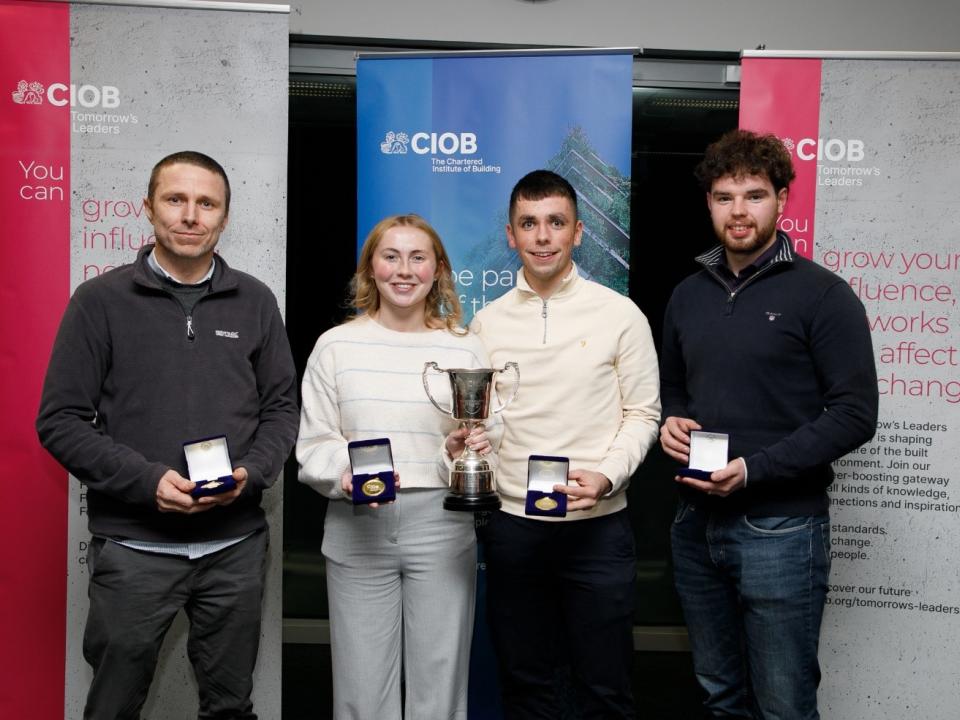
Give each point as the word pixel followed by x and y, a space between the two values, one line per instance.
pixel 671 128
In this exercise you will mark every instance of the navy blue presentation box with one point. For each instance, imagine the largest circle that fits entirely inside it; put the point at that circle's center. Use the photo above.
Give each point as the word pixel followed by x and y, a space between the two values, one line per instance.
pixel 708 452
pixel 371 463
pixel 209 466
pixel 543 472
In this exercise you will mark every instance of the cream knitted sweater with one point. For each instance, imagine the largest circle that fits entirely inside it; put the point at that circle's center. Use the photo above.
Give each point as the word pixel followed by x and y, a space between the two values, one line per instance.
pixel 363 381
pixel 589 384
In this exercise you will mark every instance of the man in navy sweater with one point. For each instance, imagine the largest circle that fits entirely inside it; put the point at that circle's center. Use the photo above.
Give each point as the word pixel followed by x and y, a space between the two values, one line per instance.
pixel 775 351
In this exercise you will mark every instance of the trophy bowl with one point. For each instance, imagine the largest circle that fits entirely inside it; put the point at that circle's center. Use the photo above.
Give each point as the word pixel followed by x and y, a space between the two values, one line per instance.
pixel 472 486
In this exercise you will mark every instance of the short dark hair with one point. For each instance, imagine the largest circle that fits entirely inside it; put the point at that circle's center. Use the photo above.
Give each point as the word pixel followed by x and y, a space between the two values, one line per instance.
pixel 742 152
pixel 541 184
pixel 189 157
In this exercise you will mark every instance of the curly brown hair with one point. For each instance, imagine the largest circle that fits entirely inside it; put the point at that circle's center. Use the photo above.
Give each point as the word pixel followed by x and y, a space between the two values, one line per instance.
pixel 442 308
pixel 742 152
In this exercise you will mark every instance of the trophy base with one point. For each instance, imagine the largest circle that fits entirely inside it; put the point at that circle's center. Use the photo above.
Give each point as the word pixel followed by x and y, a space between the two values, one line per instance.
pixel 483 502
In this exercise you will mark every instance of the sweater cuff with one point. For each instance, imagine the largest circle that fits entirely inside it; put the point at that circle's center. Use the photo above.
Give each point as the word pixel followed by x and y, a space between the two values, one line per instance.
pixel 444 463
pixel 341 463
pixel 446 460
pixel 329 485
pixel 154 475
pixel 254 475
pixel 608 471
pixel 758 467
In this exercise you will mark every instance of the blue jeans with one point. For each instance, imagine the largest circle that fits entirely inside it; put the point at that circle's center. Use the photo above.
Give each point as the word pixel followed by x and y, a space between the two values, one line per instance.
pixel 752 591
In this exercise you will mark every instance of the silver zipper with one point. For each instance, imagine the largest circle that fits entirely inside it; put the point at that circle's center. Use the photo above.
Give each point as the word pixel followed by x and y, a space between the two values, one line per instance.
pixel 543 314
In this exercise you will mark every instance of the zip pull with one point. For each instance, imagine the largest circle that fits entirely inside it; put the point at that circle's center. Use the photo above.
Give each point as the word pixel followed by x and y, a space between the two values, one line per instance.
pixel 543 314
pixel 190 334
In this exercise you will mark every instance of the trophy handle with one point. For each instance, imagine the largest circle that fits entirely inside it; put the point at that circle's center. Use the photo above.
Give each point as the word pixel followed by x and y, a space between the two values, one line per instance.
pixel 516 385
pixel 426 387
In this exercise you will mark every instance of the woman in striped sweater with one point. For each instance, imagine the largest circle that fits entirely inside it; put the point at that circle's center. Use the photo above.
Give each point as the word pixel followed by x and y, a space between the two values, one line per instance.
pixel 400 576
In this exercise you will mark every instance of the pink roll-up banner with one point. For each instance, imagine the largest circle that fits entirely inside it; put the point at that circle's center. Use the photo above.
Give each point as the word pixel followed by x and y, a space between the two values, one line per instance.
pixel 783 97
pixel 35 263
pixel 92 95
pixel 876 144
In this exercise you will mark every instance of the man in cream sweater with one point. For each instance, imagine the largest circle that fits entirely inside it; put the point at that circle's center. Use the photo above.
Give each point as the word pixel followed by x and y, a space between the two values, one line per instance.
pixel 561 589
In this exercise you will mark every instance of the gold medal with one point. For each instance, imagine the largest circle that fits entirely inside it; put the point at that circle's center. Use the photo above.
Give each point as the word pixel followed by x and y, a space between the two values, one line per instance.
pixel 373 487
pixel 546 503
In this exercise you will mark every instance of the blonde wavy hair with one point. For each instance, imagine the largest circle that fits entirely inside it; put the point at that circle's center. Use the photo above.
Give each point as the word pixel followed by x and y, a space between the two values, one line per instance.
pixel 442 309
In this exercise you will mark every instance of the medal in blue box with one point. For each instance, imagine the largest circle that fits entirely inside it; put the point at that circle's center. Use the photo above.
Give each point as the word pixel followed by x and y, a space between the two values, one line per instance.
pixel 543 472
pixel 371 464
pixel 209 466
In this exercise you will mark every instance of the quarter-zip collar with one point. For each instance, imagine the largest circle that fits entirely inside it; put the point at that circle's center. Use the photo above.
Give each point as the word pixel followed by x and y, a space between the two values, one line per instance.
pixel 223 278
pixel 567 286
pixel 160 270
pixel 714 258
pixel 716 255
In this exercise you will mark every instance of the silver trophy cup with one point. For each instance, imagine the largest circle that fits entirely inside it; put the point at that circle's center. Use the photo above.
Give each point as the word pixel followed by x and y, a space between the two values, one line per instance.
pixel 471 478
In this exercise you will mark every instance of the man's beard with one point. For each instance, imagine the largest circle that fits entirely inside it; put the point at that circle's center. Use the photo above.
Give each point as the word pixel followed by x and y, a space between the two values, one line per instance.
pixel 760 239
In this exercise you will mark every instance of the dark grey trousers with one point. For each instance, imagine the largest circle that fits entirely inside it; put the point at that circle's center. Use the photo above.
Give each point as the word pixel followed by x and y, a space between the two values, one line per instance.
pixel 134 597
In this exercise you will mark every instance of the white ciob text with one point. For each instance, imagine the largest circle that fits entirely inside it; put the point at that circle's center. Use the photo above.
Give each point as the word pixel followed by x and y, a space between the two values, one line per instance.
pixel 88 96
pixel 831 149
pixel 447 143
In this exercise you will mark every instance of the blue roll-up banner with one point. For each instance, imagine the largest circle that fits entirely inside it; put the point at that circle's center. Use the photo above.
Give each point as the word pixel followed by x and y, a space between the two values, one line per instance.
pixel 448 136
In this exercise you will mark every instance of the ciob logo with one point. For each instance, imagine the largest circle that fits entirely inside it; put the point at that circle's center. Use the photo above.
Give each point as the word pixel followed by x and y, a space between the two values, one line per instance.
pixel 58 94
pixel 831 149
pixel 423 143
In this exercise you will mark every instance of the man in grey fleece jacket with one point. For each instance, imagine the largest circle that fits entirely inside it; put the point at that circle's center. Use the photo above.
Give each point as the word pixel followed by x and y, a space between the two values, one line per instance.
pixel 172 348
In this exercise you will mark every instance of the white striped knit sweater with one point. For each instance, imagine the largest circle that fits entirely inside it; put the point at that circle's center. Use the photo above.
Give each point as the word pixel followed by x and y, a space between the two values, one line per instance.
pixel 363 381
